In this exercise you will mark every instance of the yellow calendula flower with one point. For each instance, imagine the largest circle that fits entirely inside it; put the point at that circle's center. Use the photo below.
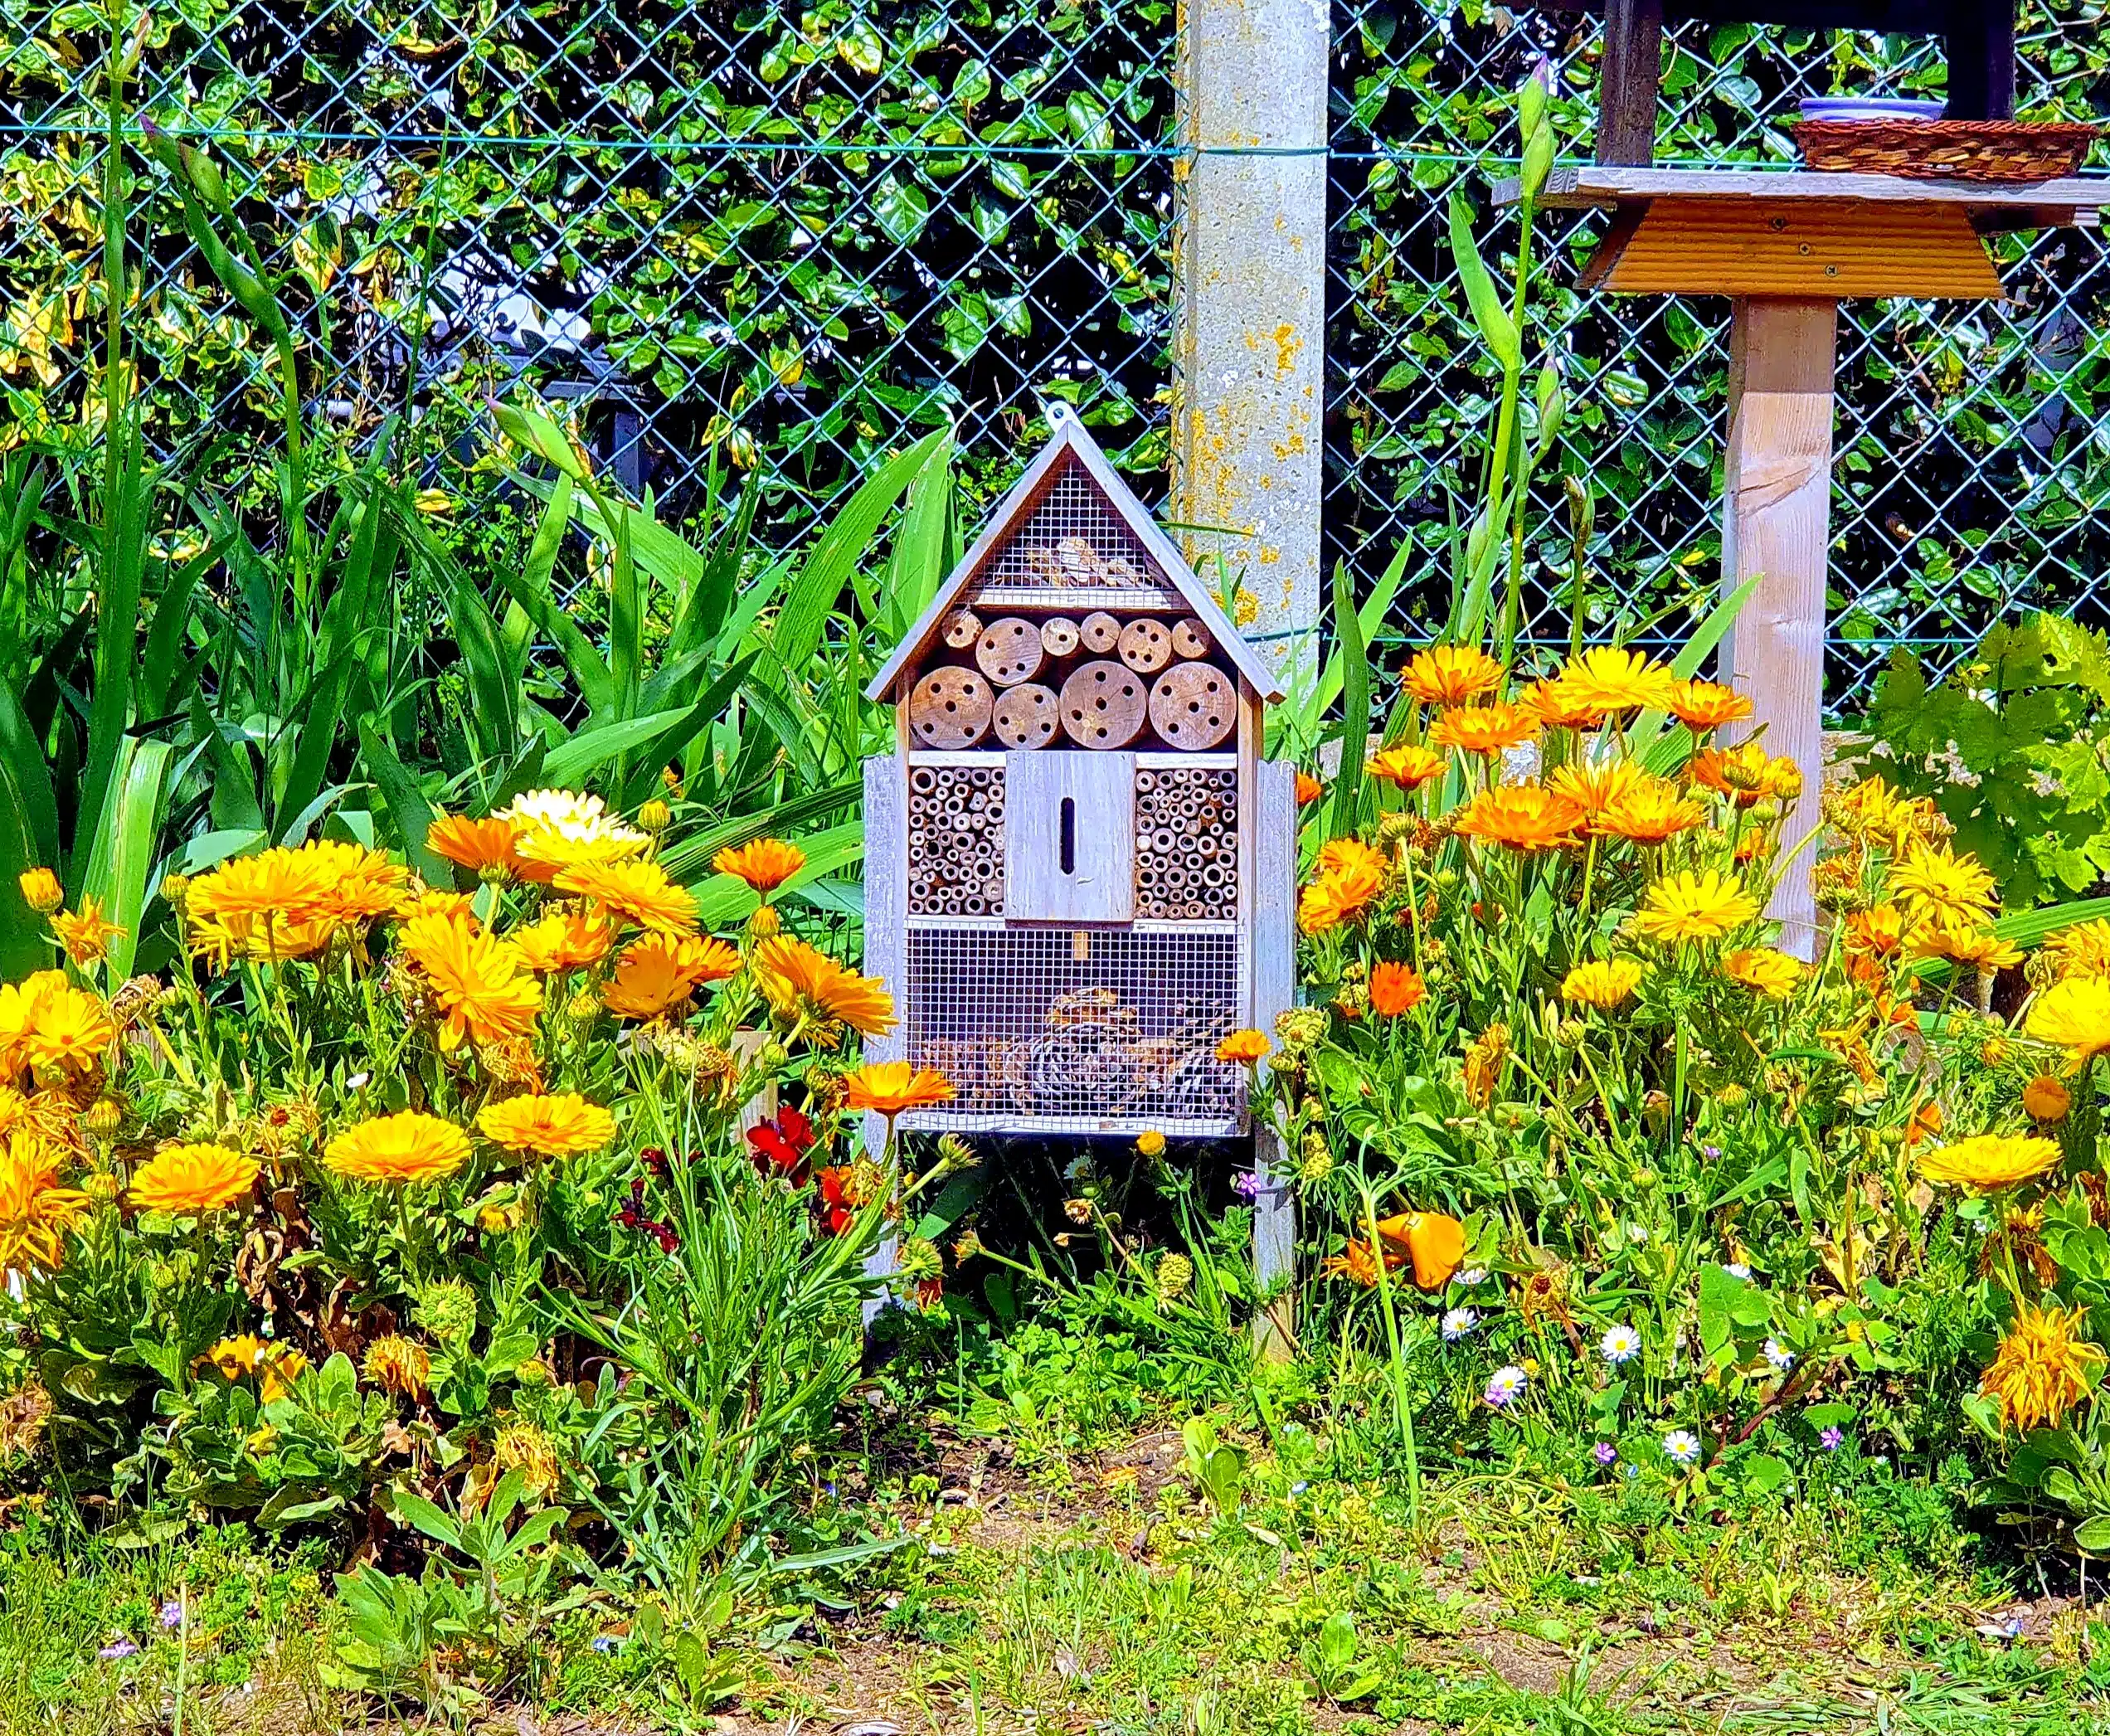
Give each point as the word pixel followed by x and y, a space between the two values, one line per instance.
pixel 2074 1014
pixel 189 1178
pixel 1338 896
pixel 557 828
pixel 398 1364
pixel 1687 906
pixel 2082 949
pixel 479 982
pixel 40 890
pixel 1603 984
pixel 2042 1370
pixel 890 1088
pixel 1969 943
pixel 1595 785
pixel 1702 706
pixel 656 974
pixel 1562 704
pixel 638 892
pixel 1449 675
pixel 1485 1056
pixel 1651 812
pixel 1763 970
pixel 408 1147
pixel 71 1030
pixel 2046 1099
pixel 560 1126
pixel 1940 886
pixel 1617 680
pixel 795 977
pixel 1488 729
pixel 1988 1161
pixel 35 1213
pixel 570 939
pixel 83 934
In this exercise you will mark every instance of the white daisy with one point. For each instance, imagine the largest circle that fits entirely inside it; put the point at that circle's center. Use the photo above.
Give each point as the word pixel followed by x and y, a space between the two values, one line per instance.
pixel 1682 1444
pixel 1779 1355
pixel 1505 1386
pixel 1621 1344
pixel 1457 1323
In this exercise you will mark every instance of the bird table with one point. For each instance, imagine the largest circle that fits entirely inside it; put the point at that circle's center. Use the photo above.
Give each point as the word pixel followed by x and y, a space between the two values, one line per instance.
pixel 1786 246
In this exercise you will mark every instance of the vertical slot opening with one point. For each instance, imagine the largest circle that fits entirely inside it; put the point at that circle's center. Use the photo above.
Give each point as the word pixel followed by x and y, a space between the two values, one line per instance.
pixel 1067 857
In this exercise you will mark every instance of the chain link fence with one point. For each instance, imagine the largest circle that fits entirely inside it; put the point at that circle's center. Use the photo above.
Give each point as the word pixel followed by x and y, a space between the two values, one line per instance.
pixel 1970 460
pixel 791 237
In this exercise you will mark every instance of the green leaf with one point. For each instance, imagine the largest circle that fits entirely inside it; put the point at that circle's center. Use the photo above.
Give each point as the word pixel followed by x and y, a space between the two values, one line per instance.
pixel 900 208
pixel 1343 810
pixel 1497 329
pixel 121 852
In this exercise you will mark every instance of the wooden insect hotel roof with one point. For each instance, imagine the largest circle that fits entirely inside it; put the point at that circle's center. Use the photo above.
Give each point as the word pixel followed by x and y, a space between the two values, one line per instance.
pixel 1071 534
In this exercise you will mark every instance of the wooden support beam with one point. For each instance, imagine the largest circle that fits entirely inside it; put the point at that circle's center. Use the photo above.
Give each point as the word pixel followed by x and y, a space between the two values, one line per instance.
pixel 1776 509
pixel 1273 991
pixel 1981 43
pixel 1793 247
pixel 885 948
pixel 1631 79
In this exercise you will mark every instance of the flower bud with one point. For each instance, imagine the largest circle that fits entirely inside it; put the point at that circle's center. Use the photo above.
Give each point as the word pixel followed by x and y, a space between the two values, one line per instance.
pixel 763 925
pixel 105 1117
pixel 655 816
pixel 40 890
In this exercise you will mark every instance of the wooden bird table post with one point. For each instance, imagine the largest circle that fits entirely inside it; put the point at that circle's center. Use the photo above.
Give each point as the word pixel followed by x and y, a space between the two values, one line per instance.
pixel 1786 247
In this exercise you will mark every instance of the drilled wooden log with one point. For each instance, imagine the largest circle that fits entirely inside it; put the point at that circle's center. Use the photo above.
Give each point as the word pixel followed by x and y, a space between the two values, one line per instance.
pixel 1099 633
pixel 1060 636
pixel 961 628
pixel 1008 651
pixel 1145 645
pixel 949 709
pixel 1191 640
pixel 1104 705
pixel 1194 707
pixel 1027 716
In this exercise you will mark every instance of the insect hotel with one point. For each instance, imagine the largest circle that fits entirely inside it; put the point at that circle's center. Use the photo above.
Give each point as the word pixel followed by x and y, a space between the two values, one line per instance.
pixel 1079 871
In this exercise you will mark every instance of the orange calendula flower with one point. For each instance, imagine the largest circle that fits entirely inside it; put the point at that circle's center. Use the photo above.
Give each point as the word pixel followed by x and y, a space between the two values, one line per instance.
pixel 2046 1099
pixel 639 892
pixel 1405 768
pixel 1338 896
pixel 484 847
pixel 2044 1368
pixel 1395 988
pixel 2075 1014
pixel 83 934
pixel 765 864
pixel 1651 813
pixel 1309 790
pixel 1603 984
pixel 35 1213
pixel 1484 728
pixel 1244 1048
pixel 410 1147
pixel 1524 817
pixel 1987 1161
pixel 1450 674
pixel 655 975
pixel 1559 703
pixel 1694 907
pixel 477 979
pixel 890 1088
pixel 1618 680
pixel 571 939
pixel 191 1178
pixel 1702 706
pixel 562 1126
pixel 1880 932
pixel 1358 1262
pixel 356 884
pixel 1763 970
pixel 797 979
pixel 1434 1242
pixel 1747 774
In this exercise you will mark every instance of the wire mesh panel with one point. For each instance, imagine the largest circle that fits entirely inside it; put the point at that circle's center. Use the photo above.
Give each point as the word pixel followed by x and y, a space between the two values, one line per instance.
pixel 1970 470
pixel 1092 1030
pixel 1074 541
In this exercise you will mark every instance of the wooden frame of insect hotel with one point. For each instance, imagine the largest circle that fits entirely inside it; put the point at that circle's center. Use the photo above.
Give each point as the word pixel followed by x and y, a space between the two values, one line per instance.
pixel 1079 871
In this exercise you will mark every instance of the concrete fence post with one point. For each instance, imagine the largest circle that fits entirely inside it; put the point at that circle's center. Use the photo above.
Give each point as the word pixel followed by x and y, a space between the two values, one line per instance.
pixel 1250 280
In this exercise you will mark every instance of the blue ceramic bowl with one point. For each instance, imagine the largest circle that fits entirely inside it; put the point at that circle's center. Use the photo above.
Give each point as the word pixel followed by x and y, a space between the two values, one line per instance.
pixel 1868 108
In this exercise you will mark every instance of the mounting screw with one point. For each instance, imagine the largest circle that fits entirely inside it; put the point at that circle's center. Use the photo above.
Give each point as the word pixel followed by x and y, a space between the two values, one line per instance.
pixel 1803 248
pixel 1777 224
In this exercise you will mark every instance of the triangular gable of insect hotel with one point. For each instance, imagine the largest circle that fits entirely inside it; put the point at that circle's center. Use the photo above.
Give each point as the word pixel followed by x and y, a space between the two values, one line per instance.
pixel 1071 854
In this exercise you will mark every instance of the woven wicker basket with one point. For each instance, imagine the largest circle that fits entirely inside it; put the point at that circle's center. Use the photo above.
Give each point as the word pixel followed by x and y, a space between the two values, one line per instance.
pixel 1946 150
